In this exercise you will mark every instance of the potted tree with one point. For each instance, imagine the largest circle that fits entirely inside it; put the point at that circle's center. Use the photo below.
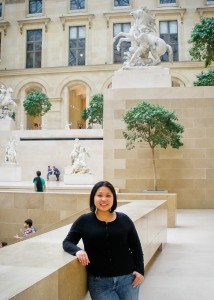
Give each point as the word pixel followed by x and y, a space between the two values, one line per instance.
pixel 94 113
pixel 36 104
pixel 202 40
pixel 154 125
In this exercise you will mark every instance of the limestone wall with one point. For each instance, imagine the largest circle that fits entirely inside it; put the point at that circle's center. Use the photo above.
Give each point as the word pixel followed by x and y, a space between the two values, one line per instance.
pixel 188 172
pixel 44 209
pixel 36 149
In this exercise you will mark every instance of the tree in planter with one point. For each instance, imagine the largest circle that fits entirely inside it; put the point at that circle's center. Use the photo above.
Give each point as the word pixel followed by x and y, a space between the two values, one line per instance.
pixel 205 78
pixel 202 39
pixel 36 104
pixel 94 113
pixel 154 125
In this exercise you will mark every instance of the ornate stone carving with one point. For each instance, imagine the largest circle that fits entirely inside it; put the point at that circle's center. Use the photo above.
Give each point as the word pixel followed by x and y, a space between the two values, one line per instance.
pixel 78 156
pixel 10 153
pixel 146 47
pixel 7 105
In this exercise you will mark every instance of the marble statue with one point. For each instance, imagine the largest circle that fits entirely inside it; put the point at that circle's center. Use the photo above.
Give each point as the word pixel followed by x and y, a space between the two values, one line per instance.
pixel 10 153
pixel 7 105
pixel 78 158
pixel 146 47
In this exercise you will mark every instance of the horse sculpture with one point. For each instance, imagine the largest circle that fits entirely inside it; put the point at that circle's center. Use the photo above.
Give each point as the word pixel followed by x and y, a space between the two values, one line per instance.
pixel 146 48
pixel 7 105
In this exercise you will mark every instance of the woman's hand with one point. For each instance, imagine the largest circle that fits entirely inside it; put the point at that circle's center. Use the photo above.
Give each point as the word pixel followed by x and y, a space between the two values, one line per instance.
pixel 138 279
pixel 82 257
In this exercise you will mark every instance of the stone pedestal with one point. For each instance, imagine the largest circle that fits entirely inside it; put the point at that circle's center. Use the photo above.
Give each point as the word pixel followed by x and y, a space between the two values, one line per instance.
pixel 142 77
pixel 7 124
pixel 10 172
pixel 79 179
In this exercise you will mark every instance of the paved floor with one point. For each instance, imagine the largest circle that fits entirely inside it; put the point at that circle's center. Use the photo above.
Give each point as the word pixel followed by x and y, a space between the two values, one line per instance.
pixel 185 268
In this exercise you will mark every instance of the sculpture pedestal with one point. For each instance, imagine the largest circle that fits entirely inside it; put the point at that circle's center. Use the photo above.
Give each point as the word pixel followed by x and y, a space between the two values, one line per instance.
pixel 142 77
pixel 7 124
pixel 79 179
pixel 10 172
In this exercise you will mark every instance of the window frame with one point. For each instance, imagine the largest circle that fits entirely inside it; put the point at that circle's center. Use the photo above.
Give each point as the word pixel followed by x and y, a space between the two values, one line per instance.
pixel 114 44
pixel 123 7
pixel 28 14
pixel 79 10
pixel 26 50
pixel 2 9
pixel 168 34
pixel 77 49
pixel 167 4
pixel 208 3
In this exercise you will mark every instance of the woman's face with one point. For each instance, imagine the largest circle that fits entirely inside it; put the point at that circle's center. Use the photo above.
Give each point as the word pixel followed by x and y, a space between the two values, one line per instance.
pixel 103 199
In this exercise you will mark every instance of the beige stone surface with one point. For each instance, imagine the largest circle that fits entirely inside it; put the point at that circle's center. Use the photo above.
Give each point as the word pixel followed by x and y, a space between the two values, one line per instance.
pixel 59 275
pixel 188 172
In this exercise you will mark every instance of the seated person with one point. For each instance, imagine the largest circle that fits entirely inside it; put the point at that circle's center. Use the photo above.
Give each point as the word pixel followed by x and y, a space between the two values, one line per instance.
pixel 49 172
pixel 28 229
pixel 56 172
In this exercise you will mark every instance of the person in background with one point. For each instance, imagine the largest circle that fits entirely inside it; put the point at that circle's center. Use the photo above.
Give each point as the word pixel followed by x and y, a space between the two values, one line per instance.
pixel 3 244
pixel 49 172
pixel 56 172
pixel 39 183
pixel 112 251
pixel 28 229
pixel 89 126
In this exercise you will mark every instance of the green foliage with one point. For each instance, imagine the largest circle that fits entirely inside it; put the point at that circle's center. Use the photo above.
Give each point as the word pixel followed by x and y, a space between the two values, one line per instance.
pixel 205 78
pixel 36 104
pixel 95 110
pixel 202 39
pixel 154 125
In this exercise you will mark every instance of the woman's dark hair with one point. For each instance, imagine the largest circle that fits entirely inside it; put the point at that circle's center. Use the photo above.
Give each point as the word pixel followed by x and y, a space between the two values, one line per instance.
pixel 29 222
pixel 94 190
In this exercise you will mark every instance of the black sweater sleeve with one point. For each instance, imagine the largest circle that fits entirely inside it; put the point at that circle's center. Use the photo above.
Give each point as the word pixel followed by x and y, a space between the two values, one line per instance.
pixel 72 239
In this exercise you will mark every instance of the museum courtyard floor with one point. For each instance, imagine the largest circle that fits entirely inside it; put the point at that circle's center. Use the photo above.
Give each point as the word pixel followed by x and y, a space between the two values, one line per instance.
pixel 184 270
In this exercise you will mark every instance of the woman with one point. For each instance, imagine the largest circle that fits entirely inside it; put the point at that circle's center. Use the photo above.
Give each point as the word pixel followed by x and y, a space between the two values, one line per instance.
pixel 113 254
pixel 39 183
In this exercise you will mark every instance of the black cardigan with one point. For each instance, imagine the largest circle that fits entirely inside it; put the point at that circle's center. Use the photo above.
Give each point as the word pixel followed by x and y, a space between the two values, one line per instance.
pixel 113 248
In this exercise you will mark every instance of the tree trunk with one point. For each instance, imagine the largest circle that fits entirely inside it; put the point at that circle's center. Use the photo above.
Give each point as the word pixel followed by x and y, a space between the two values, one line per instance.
pixel 154 169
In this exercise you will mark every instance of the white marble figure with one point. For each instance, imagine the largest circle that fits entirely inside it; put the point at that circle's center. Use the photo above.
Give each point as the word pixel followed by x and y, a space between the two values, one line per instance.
pixel 75 152
pixel 146 48
pixel 78 158
pixel 7 105
pixel 67 126
pixel 10 155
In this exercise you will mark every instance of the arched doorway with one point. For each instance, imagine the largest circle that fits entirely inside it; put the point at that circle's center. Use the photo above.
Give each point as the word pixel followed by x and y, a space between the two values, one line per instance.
pixel 33 123
pixel 77 102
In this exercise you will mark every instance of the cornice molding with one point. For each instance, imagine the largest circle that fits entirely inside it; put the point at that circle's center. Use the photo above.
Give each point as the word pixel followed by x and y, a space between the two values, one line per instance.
pixel 72 18
pixel 29 21
pixel 117 15
pixel 4 26
pixel 204 10
pixel 171 11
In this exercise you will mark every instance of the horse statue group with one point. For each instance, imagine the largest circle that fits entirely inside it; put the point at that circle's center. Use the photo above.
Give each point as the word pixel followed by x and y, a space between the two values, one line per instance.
pixel 7 105
pixel 146 48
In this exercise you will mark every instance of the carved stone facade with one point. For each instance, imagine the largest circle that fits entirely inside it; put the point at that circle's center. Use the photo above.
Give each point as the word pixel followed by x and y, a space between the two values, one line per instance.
pixel 70 87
